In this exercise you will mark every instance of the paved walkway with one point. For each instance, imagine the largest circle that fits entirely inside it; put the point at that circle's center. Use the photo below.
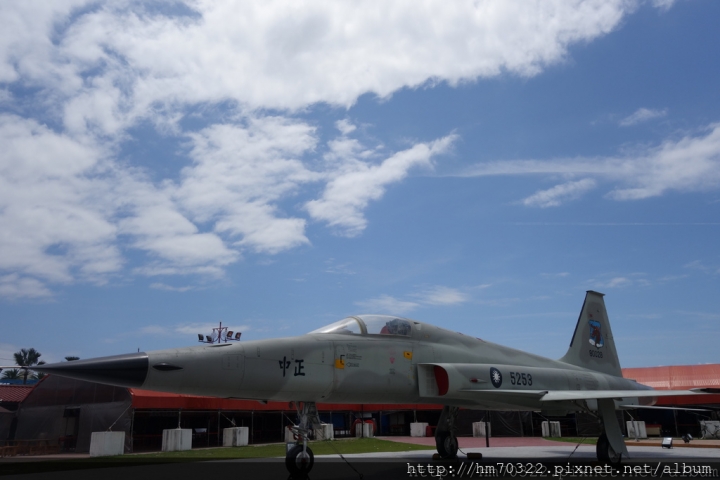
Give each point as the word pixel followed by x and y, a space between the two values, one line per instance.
pixel 479 442
pixel 506 448
pixel 654 442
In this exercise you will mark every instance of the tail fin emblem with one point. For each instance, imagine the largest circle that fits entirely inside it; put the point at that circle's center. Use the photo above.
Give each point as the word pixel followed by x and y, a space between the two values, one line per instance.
pixel 596 338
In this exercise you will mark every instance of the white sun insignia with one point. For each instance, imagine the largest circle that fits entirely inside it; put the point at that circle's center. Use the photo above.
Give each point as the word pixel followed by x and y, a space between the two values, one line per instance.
pixel 495 377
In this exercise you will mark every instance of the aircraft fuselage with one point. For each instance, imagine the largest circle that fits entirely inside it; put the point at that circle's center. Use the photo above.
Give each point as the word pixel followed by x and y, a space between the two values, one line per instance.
pixel 341 368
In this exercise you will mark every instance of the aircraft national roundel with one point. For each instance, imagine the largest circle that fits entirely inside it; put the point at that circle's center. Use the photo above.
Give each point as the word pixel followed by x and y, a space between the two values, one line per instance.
pixel 495 377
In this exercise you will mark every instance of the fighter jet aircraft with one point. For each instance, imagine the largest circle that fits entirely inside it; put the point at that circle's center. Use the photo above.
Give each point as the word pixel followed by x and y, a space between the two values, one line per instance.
pixel 385 359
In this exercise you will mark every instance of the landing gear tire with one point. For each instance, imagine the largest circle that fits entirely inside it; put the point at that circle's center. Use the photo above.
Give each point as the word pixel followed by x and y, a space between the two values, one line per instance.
pixel 605 452
pixel 447 445
pixel 298 462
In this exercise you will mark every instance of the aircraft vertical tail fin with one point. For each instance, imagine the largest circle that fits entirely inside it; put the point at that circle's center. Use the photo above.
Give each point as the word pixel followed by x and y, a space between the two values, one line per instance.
pixel 592 345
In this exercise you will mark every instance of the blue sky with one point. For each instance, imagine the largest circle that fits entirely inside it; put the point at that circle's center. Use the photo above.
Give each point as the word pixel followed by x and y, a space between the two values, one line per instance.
pixel 277 167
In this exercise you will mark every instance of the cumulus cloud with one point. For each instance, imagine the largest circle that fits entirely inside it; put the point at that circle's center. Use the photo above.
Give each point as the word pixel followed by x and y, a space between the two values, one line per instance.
pixel 14 286
pixel 559 194
pixel 642 115
pixel 53 206
pixel 357 183
pixel 71 207
pixel 688 164
pixel 280 54
pixel 240 172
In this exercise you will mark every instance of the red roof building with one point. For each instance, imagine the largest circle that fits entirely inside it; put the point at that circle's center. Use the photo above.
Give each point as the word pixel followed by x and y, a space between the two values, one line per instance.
pixel 679 377
pixel 12 395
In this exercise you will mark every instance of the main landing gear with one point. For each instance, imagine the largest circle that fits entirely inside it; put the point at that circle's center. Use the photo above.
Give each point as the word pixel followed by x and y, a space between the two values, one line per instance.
pixel 299 460
pixel 445 438
pixel 605 452
pixel 610 446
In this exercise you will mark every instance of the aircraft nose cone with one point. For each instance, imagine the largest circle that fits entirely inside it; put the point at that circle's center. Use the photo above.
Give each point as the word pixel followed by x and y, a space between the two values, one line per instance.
pixel 129 370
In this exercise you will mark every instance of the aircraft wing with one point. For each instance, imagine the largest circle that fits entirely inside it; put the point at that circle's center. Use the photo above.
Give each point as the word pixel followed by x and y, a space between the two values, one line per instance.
pixel 561 395
pixel 655 407
pixel 565 395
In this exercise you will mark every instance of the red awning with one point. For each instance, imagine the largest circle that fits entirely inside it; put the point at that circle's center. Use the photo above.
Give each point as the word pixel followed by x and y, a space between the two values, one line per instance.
pixel 146 399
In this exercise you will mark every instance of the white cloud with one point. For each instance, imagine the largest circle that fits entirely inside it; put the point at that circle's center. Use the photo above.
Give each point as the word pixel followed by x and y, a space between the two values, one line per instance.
pixel 615 283
pixel 280 54
pixel 240 172
pixel 439 295
pixel 357 183
pixel 697 265
pixel 338 269
pixel 70 207
pixel 635 279
pixel 385 304
pixel 689 164
pixel 436 295
pixel 642 115
pixel 559 194
pixel 175 244
pixel 663 4
pixel 170 288
pixel 52 206
pixel 14 286
pixel 345 126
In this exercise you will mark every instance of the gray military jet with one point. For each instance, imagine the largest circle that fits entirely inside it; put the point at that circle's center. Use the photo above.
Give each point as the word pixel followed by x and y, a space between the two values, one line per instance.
pixel 385 359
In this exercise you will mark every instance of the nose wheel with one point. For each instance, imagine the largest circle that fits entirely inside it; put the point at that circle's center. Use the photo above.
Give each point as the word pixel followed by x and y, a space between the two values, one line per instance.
pixel 299 461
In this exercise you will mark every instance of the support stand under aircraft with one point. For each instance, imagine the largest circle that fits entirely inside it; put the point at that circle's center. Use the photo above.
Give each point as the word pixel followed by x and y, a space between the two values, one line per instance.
pixel 384 359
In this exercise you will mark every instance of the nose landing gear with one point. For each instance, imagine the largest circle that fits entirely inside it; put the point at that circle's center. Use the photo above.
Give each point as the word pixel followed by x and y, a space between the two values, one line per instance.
pixel 299 460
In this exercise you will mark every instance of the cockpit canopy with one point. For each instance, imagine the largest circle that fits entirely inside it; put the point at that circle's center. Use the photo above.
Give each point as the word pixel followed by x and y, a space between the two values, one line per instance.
pixel 369 325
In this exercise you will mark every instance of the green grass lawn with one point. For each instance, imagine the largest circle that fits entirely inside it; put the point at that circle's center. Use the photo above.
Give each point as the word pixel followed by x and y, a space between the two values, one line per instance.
pixel 344 446
pixel 359 445
pixel 581 440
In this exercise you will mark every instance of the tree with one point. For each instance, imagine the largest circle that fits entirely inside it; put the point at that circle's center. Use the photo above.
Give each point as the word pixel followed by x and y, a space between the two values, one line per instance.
pixel 12 374
pixel 27 357
pixel 39 375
